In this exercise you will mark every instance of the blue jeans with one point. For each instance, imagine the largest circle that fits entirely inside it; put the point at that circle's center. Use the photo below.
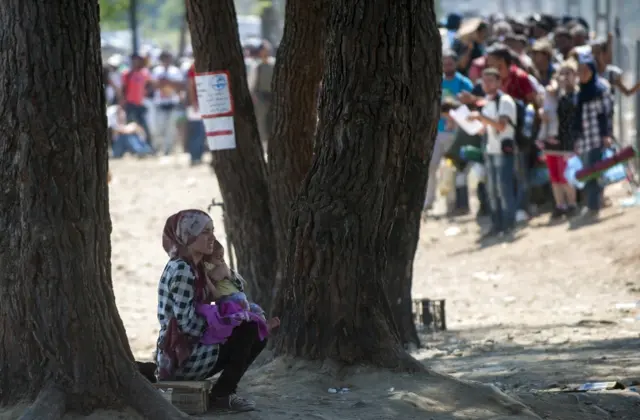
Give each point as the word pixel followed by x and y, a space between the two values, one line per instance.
pixel 138 114
pixel 196 137
pixel 522 182
pixel 500 189
pixel 130 143
pixel 593 188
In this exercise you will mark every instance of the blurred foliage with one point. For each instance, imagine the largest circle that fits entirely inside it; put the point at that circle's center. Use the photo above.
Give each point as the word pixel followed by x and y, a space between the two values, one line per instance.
pixel 113 12
pixel 162 14
pixel 260 6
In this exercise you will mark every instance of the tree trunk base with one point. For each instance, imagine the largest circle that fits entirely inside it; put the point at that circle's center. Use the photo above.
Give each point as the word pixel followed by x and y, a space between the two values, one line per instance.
pixel 423 394
pixel 139 394
pixel 51 404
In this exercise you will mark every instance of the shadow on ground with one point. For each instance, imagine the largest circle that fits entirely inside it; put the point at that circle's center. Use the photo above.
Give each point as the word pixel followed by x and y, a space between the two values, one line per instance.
pixel 528 362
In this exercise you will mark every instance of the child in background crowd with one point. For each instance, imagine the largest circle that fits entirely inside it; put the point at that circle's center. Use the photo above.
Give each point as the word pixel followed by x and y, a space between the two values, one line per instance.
pixel 556 136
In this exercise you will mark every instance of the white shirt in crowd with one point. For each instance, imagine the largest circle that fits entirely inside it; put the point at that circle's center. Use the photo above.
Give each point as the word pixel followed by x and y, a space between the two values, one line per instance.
pixel 112 118
pixel 507 108
pixel 185 66
pixel 168 95
pixel 551 126
pixel 110 94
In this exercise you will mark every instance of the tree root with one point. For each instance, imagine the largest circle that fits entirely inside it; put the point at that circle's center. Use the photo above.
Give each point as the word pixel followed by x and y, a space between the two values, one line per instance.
pixel 408 363
pixel 51 404
pixel 140 395
pixel 146 400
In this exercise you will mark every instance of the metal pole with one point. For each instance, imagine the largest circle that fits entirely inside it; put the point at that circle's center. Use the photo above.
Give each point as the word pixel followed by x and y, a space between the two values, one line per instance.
pixel 133 21
pixel 574 8
pixel 537 6
pixel 618 43
pixel 602 16
pixel 637 105
pixel 182 40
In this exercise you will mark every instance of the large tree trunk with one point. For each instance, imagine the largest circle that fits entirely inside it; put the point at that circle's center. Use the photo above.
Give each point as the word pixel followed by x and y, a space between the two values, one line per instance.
pixel 241 172
pixel 62 338
pixel 296 80
pixel 380 108
pixel 403 241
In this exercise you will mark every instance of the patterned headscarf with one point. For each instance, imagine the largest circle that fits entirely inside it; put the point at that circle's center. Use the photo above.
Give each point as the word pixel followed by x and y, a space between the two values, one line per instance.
pixel 180 231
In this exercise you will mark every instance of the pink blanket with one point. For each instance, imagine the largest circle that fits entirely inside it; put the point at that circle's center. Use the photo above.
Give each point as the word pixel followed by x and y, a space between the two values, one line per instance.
pixel 223 318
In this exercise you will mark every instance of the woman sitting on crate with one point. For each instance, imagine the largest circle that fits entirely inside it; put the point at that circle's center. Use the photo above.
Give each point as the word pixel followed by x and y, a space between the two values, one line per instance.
pixel 188 238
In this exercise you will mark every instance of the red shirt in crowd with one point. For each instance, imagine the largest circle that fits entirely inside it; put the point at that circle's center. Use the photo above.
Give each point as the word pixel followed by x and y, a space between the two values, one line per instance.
pixel 134 83
pixel 191 85
pixel 517 85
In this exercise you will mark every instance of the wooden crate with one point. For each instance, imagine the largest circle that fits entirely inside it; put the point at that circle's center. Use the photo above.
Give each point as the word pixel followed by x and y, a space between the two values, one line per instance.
pixel 192 397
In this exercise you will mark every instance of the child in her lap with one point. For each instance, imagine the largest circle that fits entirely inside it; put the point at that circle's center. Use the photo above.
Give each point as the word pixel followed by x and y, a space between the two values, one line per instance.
pixel 231 307
pixel 226 286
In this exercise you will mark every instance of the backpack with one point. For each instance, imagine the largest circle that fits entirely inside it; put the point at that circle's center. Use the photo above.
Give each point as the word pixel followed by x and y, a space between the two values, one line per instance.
pixel 526 126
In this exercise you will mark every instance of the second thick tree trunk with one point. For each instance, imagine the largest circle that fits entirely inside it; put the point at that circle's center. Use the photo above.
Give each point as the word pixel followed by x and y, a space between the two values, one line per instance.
pixel 380 109
pixel 241 172
pixel 296 79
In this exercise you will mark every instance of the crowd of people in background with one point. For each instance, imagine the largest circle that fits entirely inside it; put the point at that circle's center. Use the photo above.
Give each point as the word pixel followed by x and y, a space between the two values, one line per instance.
pixel 153 105
pixel 542 90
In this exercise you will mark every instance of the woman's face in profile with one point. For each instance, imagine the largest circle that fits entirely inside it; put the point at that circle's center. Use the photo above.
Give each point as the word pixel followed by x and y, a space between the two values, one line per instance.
pixel 204 243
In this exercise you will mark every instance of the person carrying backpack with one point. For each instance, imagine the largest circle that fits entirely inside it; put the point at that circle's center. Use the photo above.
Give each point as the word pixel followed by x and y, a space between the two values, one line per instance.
pixel 516 83
pixel 498 116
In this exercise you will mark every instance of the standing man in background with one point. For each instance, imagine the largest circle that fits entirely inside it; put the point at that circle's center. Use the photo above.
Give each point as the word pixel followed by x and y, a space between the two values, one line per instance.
pixel 134 88
pixel 262 91
pixel 453 83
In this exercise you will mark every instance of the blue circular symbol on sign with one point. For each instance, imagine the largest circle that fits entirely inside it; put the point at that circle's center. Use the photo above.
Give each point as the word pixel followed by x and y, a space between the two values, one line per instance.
pixel 220 82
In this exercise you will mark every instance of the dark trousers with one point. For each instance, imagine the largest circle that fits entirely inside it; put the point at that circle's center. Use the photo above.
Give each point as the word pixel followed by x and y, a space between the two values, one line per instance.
pixel 138 114
pixel 235 357
pixel 592 188
pixel 501 189
pixel 196 138
pixel 522 176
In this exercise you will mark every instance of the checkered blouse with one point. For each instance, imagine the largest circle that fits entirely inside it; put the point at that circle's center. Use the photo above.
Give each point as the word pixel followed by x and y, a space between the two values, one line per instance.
pixel 176 299
pixel 597 123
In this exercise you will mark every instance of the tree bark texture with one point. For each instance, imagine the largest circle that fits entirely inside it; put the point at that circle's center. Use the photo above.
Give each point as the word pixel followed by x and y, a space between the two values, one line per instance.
pixel 61 335
pixel 403 242
pixel 297 75
pixel 241 172
pixel 380 107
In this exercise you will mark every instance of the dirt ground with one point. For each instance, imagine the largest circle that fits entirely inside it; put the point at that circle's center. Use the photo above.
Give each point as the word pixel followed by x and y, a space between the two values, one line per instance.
pixel 525 317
